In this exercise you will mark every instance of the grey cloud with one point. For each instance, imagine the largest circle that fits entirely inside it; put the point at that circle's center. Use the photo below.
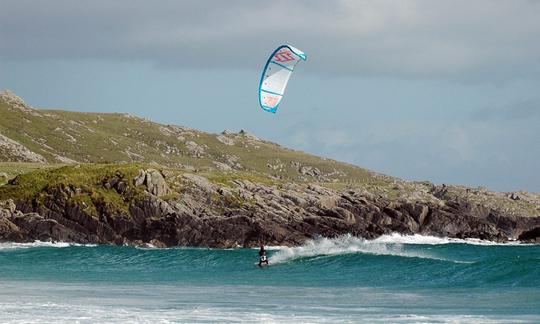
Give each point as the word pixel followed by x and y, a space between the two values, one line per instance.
pixel 525 110
pixel 497 155
pixel 460 40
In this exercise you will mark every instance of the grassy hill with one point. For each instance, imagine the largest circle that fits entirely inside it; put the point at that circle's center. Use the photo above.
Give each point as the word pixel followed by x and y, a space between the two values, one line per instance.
pixel 35 139
pixel 65 137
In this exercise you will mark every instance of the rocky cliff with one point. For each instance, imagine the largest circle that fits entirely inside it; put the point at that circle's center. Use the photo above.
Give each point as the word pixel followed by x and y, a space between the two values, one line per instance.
pixel 138 206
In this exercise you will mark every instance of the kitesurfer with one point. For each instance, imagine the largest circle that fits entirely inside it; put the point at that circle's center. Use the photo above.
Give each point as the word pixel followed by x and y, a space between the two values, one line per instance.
pixel 262 256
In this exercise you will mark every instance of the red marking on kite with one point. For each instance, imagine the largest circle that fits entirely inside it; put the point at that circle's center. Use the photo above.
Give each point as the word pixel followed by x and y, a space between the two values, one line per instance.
pixel 270 101
pixel 284 56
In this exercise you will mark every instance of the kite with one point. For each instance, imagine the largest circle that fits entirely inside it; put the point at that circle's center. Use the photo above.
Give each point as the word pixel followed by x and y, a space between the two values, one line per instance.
pixel 276 74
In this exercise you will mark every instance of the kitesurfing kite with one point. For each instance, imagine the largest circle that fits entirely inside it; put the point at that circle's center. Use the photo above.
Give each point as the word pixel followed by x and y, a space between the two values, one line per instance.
pixel 276 74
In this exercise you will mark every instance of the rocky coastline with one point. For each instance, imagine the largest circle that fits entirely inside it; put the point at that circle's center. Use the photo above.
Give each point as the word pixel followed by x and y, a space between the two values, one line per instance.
pixel 159 208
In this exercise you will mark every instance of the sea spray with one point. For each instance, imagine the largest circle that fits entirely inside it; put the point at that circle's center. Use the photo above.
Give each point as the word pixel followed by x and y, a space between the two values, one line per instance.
pixel 347 244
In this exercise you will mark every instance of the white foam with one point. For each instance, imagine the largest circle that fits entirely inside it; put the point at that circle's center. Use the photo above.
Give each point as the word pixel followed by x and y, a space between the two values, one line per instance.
pixel 347 244
pixel 12 245
pixel 272 247
pixel 66 312
pixel 434 240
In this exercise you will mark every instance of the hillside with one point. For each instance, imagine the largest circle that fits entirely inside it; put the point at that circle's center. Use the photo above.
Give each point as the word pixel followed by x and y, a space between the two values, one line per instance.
pixel 56 136
pixel 116 178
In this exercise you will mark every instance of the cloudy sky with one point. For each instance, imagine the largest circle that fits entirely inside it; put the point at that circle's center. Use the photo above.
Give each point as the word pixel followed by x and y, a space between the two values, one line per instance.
pixel 446 91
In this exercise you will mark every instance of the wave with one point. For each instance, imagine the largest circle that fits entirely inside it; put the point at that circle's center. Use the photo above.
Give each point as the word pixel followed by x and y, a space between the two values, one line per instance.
pixel 332 246
pixel 434 240
pixel 12 245
pixel 348 244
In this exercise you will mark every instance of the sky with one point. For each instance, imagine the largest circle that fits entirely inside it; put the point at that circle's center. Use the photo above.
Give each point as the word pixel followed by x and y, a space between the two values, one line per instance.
pixel 444 91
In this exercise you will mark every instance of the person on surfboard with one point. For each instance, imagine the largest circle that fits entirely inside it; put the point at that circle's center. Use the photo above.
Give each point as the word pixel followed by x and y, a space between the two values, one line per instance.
pixel 262 256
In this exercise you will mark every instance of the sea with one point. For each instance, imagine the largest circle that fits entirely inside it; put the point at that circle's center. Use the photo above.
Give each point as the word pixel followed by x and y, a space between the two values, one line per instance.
pixel 392 279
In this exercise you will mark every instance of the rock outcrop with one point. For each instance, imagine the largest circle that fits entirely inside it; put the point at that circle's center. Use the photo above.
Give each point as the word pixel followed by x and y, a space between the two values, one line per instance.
pixel 16 152
pixel 154 182
pixel 14 100
pixel 241 213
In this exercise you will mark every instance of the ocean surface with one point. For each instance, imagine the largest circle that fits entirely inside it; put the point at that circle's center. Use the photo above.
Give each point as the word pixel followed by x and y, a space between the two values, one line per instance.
pixel 391 279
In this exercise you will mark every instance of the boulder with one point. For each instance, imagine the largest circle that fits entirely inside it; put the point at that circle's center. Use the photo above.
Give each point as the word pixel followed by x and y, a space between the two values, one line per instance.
pixel 140 178
pixel 222 166
pixel 200 182
pixel 154 181
pixel 225 140
pixel 249 135
pixel 9 205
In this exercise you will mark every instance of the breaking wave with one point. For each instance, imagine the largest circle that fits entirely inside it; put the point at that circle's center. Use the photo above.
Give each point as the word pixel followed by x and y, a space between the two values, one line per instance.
pixel 12 245
pixel 320 246
pixel 347 244
pixel 434 240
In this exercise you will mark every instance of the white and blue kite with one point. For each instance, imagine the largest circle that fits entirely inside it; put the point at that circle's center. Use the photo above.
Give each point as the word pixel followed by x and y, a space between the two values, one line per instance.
pixel 276 74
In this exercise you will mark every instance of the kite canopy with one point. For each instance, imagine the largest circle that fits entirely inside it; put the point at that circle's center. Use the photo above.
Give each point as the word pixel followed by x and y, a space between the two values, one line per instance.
pixel 276 74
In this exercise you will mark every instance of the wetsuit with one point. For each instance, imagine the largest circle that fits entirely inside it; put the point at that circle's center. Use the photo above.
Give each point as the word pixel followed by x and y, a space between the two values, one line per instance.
pixel 262 257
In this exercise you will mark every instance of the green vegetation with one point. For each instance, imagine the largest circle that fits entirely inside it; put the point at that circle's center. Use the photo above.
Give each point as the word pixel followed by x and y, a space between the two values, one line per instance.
pixel 85 182
pixel 9 170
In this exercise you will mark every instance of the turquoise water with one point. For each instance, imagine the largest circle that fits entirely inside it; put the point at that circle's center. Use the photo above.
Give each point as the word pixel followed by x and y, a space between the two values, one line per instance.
pixel 391 279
